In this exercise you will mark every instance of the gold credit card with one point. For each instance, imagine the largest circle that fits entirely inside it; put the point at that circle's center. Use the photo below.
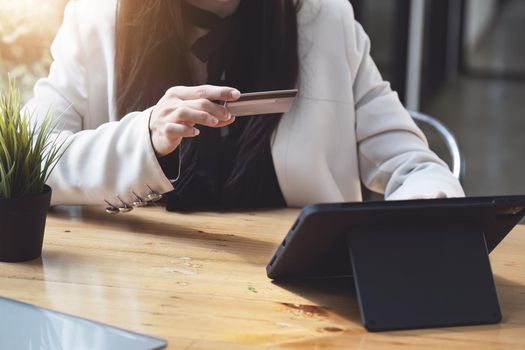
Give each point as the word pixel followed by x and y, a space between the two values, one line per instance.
pixel 266 102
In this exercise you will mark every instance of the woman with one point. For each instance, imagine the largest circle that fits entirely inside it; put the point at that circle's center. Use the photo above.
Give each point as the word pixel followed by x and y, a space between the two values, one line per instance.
pixel 136 84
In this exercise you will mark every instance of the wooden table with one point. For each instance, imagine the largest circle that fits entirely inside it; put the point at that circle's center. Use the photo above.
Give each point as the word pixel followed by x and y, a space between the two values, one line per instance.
pixel 199 281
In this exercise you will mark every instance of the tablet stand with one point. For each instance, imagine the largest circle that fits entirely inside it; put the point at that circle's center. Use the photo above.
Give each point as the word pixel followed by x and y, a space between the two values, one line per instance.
pixel 418 277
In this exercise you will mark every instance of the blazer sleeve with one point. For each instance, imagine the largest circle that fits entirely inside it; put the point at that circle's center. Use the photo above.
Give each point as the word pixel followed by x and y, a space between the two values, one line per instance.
pixel 112 160
pixel 393 153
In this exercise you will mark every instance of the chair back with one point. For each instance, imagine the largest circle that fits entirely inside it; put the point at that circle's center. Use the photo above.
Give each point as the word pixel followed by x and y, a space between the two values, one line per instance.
pixel 441 138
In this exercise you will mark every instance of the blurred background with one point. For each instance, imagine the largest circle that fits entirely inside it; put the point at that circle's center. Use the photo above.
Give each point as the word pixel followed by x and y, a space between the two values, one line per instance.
pixel 27 28
pixel 461 61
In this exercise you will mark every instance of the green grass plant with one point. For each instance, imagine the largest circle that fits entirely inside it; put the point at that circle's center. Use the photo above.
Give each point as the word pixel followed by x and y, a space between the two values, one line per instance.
pixel 28 151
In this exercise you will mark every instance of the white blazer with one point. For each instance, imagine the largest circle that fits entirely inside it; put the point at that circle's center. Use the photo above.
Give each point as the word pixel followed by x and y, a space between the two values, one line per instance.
pixel 346 126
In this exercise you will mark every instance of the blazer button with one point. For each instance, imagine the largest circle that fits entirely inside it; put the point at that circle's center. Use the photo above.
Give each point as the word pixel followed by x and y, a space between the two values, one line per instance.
pixel 153 195
pixel 124 207
pixel 111 209
pixel 139 201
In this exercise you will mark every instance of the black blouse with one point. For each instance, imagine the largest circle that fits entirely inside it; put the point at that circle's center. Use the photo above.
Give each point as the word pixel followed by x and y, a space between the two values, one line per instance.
pixel 207 180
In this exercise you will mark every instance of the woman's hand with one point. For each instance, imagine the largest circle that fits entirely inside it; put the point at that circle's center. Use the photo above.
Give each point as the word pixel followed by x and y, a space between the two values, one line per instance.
pixel 435 195
pixel 181 108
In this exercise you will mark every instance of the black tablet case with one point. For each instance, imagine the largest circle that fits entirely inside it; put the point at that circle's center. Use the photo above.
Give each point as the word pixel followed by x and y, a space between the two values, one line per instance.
pixel 415 264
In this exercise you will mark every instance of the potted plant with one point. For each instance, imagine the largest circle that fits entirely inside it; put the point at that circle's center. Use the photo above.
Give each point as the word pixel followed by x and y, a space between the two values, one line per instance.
pixel 28 154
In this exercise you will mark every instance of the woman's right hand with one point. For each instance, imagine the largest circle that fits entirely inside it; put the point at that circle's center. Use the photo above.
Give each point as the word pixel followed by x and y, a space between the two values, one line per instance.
pixel 181 108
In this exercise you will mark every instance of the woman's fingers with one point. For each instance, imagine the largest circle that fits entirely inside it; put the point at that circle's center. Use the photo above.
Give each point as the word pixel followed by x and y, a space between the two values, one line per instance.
pixel 181 108
pixel 209 92
pixel 438 194
pixel 176 131
pixel 189 115
pixel 226 123
pixel 217 110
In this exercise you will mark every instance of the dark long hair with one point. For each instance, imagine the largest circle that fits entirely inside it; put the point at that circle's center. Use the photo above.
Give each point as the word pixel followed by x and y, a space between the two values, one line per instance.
pixel 152 55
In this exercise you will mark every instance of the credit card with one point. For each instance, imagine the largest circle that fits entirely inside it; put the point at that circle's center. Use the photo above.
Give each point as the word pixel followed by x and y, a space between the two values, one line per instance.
pixel 265 102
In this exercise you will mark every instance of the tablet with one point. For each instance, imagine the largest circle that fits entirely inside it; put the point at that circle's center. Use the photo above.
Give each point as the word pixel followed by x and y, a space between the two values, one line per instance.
pixel 24 326
pixel 415 264
pixel 315 244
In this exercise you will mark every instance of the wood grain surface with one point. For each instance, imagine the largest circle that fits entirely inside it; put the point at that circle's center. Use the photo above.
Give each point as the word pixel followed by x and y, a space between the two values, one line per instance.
pixel 199 281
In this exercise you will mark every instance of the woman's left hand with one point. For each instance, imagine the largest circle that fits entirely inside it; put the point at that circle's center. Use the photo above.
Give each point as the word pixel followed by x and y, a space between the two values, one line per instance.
pixel 438 194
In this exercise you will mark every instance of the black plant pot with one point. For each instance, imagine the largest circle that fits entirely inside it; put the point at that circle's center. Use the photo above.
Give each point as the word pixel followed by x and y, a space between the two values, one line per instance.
pixel 22 224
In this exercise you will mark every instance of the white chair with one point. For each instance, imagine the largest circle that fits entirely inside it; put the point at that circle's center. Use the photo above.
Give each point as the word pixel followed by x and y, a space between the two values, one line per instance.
pixel 431 126
pixel 439 137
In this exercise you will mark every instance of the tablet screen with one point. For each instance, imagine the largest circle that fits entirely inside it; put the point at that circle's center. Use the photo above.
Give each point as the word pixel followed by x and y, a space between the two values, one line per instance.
pixel 24 326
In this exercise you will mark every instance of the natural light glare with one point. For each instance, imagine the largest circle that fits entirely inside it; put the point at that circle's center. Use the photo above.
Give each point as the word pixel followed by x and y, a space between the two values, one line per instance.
pixel 27 28
pixel 23 17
